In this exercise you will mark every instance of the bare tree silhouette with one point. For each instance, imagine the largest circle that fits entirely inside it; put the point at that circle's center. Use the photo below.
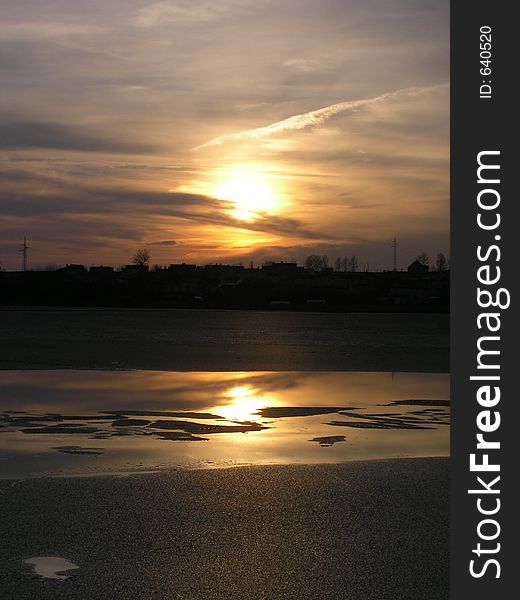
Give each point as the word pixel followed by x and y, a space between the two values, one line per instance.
pixel 441 263
pixel 141 257
pixel 316 263
pixel 423 259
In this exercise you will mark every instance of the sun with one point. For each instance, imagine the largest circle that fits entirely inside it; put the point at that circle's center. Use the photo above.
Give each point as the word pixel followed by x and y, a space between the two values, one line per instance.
pixel 252 193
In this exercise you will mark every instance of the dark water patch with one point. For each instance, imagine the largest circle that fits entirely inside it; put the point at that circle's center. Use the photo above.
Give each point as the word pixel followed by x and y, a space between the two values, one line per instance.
pixel 278 412
pixel 22 424
pixel 79 450
pixel 77 428
pixel 179 436
pixel 429 413
pixel 376 425
pixel 196 428
pixel 164 413
pixel 130 422
pixel 328 440
pixel 418 403
pixel 399 420
pixel 28 420
pixel 120 432
pixel 59 417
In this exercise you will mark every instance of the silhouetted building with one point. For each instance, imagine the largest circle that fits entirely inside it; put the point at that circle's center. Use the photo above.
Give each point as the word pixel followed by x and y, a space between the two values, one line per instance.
pixel 281 268
pixel 224 268
pixel 183 267
pixel 279 286
pixel 101 270
pixel 79 269
pixel 132 271
pixel 417 267
pixel 73 272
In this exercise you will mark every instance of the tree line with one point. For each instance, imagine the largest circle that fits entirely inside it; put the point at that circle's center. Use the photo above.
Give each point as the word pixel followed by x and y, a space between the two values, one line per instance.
pixel 349 264
pixel 316 262
pixel 441 262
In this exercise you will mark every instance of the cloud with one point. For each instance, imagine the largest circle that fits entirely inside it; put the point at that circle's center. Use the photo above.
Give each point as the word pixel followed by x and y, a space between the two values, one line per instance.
pixel 187 11
pixel 316 117
pixel 163 243
pixel 28 134
pixel 36 30
pixel 93 209
pixel 301 64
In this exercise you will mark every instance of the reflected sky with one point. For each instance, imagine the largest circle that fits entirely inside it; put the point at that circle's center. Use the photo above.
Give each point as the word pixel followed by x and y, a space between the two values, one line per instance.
pixel 89 422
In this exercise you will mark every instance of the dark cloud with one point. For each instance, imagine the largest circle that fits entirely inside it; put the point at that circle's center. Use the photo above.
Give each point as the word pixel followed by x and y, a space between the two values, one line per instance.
pixel 69 202
pixel 163 243
pixel 29 134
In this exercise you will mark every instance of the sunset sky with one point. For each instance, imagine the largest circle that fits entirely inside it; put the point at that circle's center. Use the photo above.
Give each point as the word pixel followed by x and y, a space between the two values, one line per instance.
pixel 224 130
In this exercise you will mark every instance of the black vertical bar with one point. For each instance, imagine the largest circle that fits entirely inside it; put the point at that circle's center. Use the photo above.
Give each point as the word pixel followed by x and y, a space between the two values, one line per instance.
pixel 483 124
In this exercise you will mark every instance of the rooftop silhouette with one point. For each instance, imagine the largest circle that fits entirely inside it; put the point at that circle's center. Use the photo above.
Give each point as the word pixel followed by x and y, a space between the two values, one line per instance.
pixel 275 285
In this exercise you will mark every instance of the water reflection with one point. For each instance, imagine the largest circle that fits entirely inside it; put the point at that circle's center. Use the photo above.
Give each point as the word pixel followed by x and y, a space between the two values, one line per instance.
pixel 149 420
pixel 244 403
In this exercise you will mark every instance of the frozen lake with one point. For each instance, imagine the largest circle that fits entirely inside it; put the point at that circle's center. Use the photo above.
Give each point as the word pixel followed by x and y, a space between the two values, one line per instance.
pixel 221 340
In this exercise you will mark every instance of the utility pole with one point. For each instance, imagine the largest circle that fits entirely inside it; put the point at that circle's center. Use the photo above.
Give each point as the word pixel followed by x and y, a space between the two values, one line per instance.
pixel 394 245
pixel 24 248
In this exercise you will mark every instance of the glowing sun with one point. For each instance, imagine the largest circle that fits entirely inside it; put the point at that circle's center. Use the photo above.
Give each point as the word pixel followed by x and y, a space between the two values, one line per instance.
pixel 251 193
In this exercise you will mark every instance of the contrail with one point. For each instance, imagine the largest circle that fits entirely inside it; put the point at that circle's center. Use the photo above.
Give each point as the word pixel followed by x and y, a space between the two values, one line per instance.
pixel 315 117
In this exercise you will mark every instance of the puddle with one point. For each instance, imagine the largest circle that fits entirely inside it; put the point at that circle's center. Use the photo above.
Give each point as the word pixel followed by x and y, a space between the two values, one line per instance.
pixel 51 567
pixel 63 423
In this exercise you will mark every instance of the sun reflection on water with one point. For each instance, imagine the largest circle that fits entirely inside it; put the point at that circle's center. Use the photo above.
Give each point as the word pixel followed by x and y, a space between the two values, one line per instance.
pixel 244 402
pixel 86 422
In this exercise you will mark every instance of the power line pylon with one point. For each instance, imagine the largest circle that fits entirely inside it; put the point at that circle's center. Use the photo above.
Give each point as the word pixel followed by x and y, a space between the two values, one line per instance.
pixel 23 250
